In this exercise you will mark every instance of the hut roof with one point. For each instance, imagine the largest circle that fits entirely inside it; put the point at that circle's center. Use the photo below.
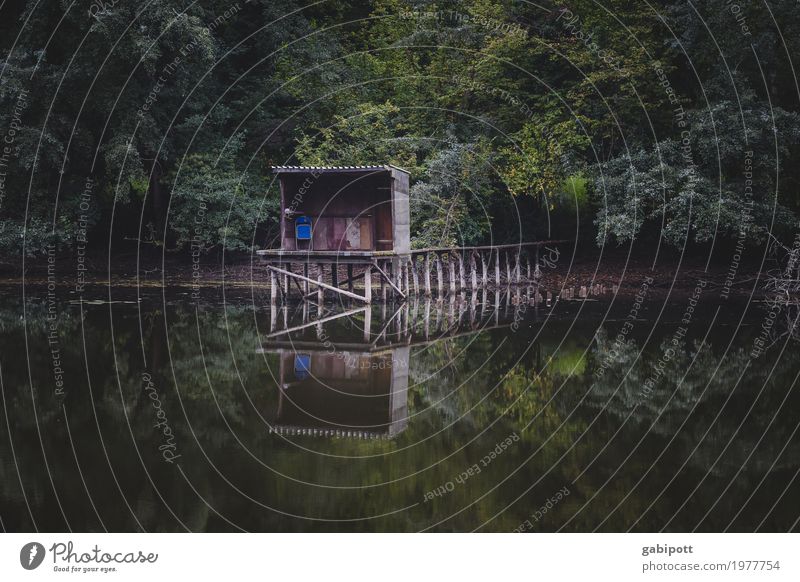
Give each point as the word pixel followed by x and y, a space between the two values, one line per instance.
pixel 334 169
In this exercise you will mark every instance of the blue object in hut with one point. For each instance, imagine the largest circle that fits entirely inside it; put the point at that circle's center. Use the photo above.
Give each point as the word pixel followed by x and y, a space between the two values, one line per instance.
pixel 302 228
pixel 302 366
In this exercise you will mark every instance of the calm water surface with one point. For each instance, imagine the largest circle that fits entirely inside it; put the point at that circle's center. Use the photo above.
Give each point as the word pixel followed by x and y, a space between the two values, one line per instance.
pixel 160 414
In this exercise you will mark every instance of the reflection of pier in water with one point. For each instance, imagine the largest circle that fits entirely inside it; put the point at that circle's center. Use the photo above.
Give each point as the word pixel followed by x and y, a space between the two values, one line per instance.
pixel 345 373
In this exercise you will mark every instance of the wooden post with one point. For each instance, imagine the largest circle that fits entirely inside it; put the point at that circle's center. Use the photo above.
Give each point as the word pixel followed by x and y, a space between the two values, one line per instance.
pixel 427 319
pixel 439 278
pixel 384 291
pixel 528 266
pixel 427 275
pixel 461 271
pixel 451 263
pixel 508 270
pixel 497 268
pixel 320 277
pixel 399 273
pixel 367 322
pixel 517 269
pixel 368 284
pixel 497 304
pixel 273 287
pixel 350 277
pixel 406 267
pixel 473 273
pixel 484 271
pixel 414 276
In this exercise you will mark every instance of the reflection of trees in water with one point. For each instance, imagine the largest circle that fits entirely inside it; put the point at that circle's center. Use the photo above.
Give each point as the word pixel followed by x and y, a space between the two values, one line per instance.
pixel 453 383
pixel 716 391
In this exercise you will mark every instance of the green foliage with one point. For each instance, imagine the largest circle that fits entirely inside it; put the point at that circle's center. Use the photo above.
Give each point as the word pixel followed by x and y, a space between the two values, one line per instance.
pixel 499 109
pixel 716 181
pixel 373 134
pixel 214 205
pixel 450 201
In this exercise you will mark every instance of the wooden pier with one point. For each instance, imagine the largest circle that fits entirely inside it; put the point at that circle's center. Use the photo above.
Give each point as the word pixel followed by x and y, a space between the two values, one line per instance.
pixel 343 226
pixel 431 272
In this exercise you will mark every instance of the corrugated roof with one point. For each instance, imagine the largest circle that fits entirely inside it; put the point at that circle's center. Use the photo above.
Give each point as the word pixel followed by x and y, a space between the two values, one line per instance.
pixel 332 169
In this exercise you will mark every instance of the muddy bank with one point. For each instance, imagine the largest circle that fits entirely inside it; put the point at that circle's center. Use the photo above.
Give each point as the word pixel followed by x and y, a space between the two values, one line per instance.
pixel 610 273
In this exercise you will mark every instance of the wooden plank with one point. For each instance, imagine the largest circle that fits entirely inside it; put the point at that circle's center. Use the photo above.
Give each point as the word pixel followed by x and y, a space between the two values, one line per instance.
pixel 319 234
pixel 366 234
pixel 383 226
pixel 336 235
pixel 352 235
pixel 326 286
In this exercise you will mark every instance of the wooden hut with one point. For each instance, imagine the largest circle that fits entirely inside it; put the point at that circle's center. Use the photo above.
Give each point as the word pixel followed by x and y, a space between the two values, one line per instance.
pixel 341 217
pixel 344 209
pixel 342 223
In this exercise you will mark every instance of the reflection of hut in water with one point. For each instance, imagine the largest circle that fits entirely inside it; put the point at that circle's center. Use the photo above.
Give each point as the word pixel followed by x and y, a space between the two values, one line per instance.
pixel 326 392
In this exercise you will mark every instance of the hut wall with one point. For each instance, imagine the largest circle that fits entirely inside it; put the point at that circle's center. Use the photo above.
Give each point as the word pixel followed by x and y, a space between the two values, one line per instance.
pixel 348 211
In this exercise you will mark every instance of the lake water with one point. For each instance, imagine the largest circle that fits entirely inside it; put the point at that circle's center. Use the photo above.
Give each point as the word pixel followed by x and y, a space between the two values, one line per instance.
pixel 149 411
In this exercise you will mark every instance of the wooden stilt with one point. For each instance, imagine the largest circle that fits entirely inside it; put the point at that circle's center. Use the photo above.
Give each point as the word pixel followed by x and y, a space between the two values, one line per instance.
pixel 452 264
pixel 516 269
pixel 367 323
pixel 439 277
pixel 508 270
pixel 427 319
pixel 497 268
pixel 414 276
pixel 484 271
pixel 473 273
pixel 368 284
pixel 406 267
pixel 461 284
pixel 320 277
pixel 427 275
pixel 273 287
